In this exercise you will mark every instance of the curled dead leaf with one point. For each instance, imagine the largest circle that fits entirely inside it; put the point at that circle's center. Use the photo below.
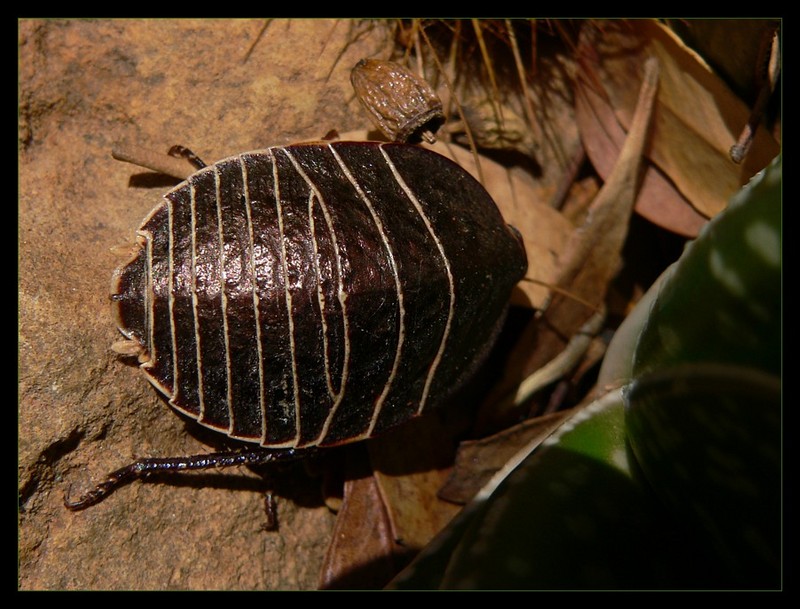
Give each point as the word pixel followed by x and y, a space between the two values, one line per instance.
pixel 603 136
pixel 697 118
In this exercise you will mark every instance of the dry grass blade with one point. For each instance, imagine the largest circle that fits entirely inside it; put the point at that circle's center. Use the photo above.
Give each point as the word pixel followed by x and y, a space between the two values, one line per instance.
pixel 526 96
pixel 468 131
pixel 487 60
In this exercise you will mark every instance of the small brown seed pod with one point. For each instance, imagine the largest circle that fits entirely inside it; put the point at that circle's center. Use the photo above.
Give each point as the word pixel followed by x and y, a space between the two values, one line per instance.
pixel 403 106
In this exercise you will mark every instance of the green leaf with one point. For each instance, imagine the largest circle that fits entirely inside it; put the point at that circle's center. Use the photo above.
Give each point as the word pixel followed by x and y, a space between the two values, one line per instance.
pixel 722 300
pixel 708 440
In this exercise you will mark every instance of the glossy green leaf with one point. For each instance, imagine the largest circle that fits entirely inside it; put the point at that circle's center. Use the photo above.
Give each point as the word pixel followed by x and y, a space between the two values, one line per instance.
pixel 708 440
pixel 722 299
pixel 572 516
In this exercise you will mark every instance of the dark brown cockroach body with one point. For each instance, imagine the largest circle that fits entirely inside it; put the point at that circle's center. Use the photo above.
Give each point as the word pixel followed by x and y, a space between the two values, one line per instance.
pixel 313 295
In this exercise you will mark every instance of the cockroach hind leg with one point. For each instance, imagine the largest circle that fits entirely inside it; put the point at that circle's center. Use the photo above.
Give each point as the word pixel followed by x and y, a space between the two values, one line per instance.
pixel 141 468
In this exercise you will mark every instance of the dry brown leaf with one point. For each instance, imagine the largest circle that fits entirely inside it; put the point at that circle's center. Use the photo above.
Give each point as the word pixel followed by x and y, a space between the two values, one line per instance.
pixel 478 460
pixel 591 258
pixel 390 509
pixel 603 136
pixel 410 464
pixel 733 47
pixel 362 552
pixel 697 119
